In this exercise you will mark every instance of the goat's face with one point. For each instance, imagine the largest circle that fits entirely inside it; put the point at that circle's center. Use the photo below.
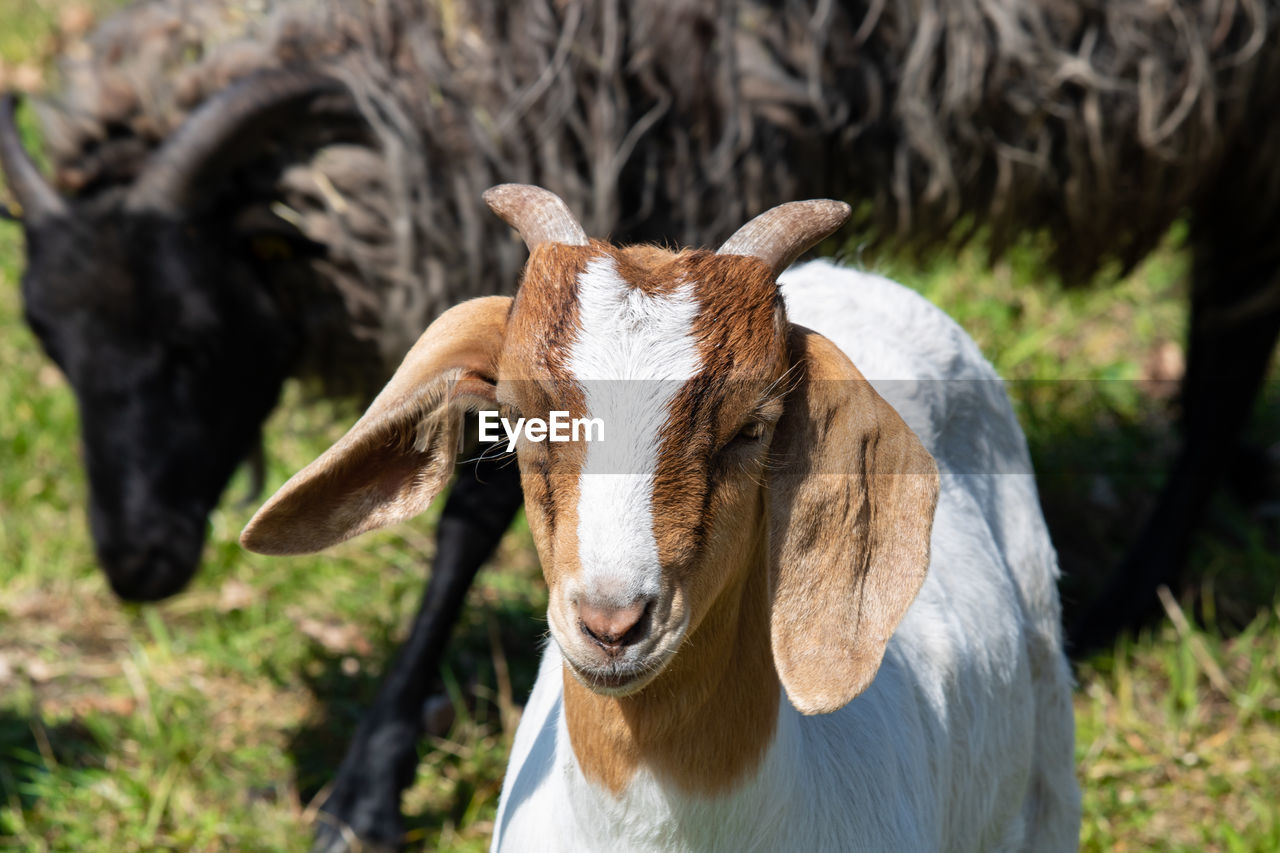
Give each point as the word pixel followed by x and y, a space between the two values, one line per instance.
pixel 175 355
pixel 744 464
pixel 680 358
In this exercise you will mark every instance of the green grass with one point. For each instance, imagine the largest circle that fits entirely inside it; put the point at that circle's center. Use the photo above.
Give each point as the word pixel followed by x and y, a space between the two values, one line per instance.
pixel 213 721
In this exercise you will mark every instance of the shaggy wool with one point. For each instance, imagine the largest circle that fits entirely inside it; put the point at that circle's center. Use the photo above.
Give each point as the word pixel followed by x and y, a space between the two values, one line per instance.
pixel 1092 124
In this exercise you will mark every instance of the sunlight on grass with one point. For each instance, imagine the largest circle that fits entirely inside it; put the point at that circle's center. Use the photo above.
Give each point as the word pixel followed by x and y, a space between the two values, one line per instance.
pixel 1179 741
pixel 212 721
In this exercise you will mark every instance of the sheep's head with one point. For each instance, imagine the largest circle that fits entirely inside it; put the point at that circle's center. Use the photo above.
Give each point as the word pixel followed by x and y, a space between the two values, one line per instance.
pixel 731 440
pixel 147 299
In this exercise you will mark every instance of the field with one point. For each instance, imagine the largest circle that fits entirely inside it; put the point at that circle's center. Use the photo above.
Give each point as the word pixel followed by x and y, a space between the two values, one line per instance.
pixel 213 721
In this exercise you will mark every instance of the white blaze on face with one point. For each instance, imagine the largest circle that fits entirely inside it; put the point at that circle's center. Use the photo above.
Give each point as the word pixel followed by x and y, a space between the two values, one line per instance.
pixel 632 355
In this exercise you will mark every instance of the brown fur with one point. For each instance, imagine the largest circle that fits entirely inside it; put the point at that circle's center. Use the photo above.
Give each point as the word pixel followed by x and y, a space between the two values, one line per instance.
pixel 545 312
pixel 535 361
pixel 742 356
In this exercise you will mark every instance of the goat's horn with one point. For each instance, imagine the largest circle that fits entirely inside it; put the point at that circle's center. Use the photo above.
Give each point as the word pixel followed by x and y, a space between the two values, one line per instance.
pixel 539 215
pixel 38 199
pixel 245 110
pixel 783 233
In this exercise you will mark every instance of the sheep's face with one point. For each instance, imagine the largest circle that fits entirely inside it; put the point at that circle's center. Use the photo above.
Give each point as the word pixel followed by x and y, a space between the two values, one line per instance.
pixel 679 358
pixel 145 291
pixel 175 356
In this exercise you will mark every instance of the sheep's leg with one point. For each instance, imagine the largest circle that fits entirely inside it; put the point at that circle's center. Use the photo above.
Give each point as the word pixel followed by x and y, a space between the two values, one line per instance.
pixel 382 758
pixel 1235 319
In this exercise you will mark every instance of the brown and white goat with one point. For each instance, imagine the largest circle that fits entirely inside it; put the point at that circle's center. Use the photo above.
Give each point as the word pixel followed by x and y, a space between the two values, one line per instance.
pixel 728 569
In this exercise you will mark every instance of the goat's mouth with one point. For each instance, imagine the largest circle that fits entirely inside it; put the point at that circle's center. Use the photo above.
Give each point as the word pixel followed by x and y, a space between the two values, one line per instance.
pixel 616 678
pixel 624 674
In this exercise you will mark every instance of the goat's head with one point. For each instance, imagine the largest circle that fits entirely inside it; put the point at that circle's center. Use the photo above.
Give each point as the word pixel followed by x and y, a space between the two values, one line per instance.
pixel 148 300
pixel 731 440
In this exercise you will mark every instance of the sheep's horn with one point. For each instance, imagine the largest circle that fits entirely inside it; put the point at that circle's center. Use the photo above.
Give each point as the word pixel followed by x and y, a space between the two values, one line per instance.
pixel 38 199
pixel 539 215
pixel 783 233
pixel 245 110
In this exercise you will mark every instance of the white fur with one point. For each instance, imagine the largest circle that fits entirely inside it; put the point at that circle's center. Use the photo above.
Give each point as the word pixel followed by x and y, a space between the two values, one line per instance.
pixel 964 740
pixel 631 356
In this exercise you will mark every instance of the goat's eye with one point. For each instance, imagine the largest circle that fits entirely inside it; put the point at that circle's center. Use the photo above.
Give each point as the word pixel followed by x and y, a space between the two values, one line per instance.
pixel 751 432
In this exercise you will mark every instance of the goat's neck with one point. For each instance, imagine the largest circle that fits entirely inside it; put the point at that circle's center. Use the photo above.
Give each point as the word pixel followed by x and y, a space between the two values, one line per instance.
pixel 705 722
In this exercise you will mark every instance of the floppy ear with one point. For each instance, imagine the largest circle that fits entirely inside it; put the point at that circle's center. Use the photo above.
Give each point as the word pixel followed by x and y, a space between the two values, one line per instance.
pixel 399 455
pixel 851 505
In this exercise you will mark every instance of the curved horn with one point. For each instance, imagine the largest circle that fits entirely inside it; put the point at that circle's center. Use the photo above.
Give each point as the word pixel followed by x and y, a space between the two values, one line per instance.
pixel 539 215
pixel 38 199
pixel 783 233
pixel 245 109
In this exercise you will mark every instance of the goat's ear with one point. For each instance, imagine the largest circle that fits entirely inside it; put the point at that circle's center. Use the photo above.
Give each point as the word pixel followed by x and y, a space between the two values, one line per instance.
pixel 399 455
pixel 851 504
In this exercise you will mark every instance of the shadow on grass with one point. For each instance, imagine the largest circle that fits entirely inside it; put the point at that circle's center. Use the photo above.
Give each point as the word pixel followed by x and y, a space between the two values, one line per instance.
pixel 1099 475
pixel 30 750
pixel 466 692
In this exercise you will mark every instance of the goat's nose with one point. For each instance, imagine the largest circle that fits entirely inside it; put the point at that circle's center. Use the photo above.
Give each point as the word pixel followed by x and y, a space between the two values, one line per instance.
pixel 614 628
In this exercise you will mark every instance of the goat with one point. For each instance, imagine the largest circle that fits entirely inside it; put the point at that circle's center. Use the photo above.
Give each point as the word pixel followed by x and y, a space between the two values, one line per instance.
pixel 763 635
pixel 1010 116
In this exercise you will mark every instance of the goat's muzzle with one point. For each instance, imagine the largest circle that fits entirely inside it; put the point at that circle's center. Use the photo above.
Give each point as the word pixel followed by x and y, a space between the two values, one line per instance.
pixel 613 629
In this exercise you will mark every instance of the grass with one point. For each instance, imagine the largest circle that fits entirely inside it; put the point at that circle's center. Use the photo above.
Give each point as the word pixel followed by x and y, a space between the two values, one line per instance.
pixel 213 721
